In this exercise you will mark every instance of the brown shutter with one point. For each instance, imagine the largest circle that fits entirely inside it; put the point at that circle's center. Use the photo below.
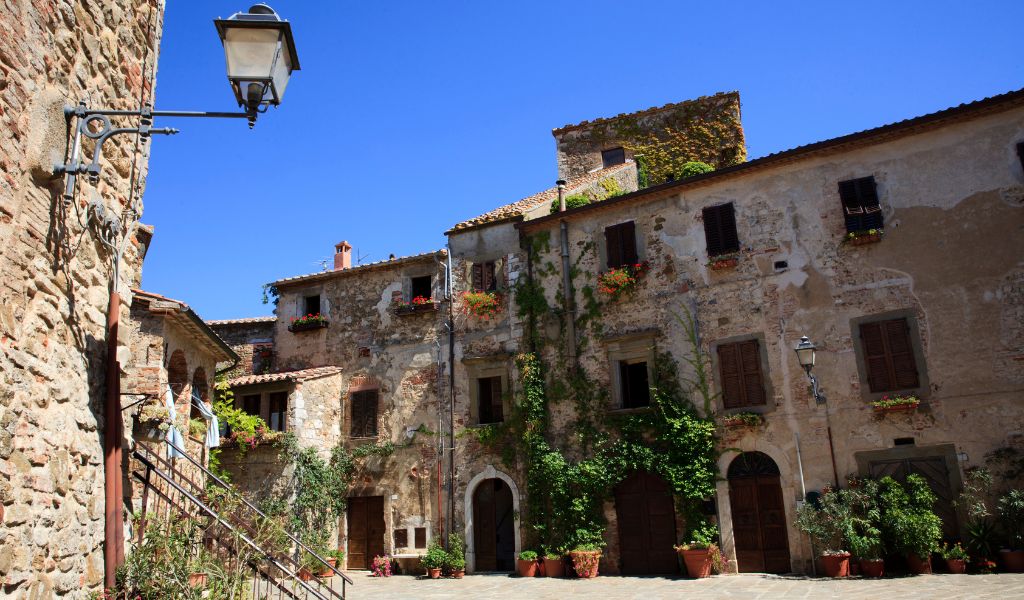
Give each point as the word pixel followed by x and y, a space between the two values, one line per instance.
pixel 357 415
pixel 364 414
pixel 729 364
pixel 861 210
pixel 904 368
pixel 753 386
pixel 889 356
pixel 876 360
pixel 478 277
pixel 614 243
pixel 488 279
pixel 627 233
pixel 720 229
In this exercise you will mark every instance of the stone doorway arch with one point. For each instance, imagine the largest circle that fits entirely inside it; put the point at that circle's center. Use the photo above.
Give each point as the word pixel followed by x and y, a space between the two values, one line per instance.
pixel 487 475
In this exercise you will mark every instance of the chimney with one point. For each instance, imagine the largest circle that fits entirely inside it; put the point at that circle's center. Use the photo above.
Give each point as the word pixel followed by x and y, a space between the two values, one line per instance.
pixel 342 256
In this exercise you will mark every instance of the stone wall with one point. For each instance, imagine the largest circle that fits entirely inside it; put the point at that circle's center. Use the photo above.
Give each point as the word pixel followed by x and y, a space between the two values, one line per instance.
pixel 953 205
pixel 706 129
pixel 54 280
pixel 253 342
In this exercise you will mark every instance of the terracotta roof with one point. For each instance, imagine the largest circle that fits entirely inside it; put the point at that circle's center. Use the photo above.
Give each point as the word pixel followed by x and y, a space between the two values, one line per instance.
pixel 652 110
pixel 519 208
pixel 267 319
pixel 876 135
pixel 293 376
pixel 191 321
pixel 380 264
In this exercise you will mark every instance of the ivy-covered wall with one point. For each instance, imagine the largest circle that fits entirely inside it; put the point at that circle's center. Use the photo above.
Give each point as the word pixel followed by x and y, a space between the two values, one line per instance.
pixel 661 140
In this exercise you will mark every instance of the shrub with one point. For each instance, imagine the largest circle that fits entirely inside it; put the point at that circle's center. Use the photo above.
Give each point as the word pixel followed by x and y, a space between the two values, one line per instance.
pixel 829 524
pixel 571 202
pixel 700 537
pixel 436 557
pixel 694 168
pixel 1011 513
pixel 456 553
pixel 954 552
pixel 907 521
pixel 527 555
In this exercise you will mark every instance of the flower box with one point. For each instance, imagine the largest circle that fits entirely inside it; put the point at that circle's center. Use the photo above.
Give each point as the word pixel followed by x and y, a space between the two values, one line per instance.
pixel 417 306
pixel 861 238
pixel 484 305
pixel 741 420
pixel 721 263
pixel 620 281
pixel 307 323
pixel 895 404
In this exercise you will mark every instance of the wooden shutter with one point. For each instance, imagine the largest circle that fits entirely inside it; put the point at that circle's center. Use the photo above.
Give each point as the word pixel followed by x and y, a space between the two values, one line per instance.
pixel 861 209
pixel 750 360
pixel 364 414
pixel 478 277
pixel 740 371
pixel 720 229
pixel 484 277
pixel 731 375
pixel 621 242
pixel 889 356
pixel 613 241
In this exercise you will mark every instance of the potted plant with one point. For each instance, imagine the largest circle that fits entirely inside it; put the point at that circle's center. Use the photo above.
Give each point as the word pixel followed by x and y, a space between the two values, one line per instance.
pixel 829 525
pixel 955 557
pixel 724 261
pixel 307 323
pixel 456 564
pixel 908 523
pixel 868 550
pixel 309 566
pixel 553 565
pixel 435 559
pixel 742 419
pixel 620 281
pixel 895 404
pixel 381 566
pixel 585 560
pixel 696 553
pixel 1011 515
pixel 334 558
pixel 864 538
pixel 417 305
pixel 485 305
pixel 154 421
pixel 981 531
pixel 867 236
pixel 526 564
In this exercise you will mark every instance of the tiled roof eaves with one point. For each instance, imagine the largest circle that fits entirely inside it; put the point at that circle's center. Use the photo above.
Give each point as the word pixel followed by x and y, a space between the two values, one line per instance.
pixel 461 228
pixel 293 376
pixel 194 318
pixel 243 321
pixel 646 111
pixel 380 264
pixel 884 133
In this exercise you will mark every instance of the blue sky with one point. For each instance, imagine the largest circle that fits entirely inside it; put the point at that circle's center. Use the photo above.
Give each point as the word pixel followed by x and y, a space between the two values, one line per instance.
pixel 408 117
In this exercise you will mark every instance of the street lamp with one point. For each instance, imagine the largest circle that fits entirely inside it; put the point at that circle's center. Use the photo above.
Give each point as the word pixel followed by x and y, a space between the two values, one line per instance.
pixel 260 53
pixel 805 354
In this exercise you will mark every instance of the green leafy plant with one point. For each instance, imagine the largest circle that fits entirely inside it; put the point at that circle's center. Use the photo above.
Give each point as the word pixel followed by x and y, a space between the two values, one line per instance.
pixel 1011 516
pixel 436 556
pixel 907 522
pixel 896 401
pixel 527 555
pixel 700 537
pixel 197 427
pixel 694 168
pixel 155 415
pixel 571 202
pixel 866 233
pixel 743 419
pixel 456 553
pixel 485 305
pixel 309 320
pixel 954 552
pixel 829 524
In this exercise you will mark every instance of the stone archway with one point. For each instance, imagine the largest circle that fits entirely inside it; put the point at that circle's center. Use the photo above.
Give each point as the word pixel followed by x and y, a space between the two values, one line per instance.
pixel 487 474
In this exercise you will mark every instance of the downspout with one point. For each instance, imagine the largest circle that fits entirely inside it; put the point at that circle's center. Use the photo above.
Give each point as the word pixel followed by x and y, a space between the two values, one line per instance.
pixel 568 296
pixel 451 388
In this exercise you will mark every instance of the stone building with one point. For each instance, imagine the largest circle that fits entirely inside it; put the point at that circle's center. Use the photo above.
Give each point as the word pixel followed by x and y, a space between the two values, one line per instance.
pixel 55 280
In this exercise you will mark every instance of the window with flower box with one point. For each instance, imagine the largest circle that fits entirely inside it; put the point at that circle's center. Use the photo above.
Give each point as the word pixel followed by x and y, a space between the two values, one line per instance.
pixel 420 287
pixel 720 230
pixel 620 245
pixel 484 277
pixel 861 209
pixel 312 305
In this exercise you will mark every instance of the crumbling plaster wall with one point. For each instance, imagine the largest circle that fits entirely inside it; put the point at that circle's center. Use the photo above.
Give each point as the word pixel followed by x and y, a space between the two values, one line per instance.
pixel 953 201
pixel 54 295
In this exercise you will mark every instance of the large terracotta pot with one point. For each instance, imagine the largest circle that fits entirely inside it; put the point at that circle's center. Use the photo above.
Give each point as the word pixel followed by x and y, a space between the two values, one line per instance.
pixel 459 574
pixel 956 566
pixel 305 574
pixel 1013 560
pixel 434 573
pixel 836 565
pixel 326 571
pixel 541 569
pixel 554 567
pixel 526 568
pixel 698 562
pixel 872 567
pixel 585 562
pixel 918 565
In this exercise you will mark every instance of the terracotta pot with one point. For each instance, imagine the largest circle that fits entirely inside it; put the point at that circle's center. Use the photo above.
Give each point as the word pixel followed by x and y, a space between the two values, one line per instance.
pixel 836 565
pixel 305 574
pixel 554 567
pixel 854 566
pixel 872 567
pixel 585 562
pixel 434 573
pixel 1013 560
pixel 197 580
pixel 329 572
pixel 459 574
pixel 526 568
pixel 919 566
pixel 698 562
pixel 956 566
pixel 541 571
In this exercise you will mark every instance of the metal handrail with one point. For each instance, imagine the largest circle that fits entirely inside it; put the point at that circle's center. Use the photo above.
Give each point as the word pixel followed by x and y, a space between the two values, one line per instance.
pixel 181 490
pixel 294 539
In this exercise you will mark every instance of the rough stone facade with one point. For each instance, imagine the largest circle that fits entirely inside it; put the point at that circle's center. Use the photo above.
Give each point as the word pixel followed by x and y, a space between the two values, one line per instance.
pixel 55 280
pixel 253 342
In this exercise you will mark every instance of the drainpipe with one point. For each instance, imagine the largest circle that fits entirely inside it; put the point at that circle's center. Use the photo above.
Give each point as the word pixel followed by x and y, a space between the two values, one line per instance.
pixel 568 292
pixel 113 506
pixel 451 387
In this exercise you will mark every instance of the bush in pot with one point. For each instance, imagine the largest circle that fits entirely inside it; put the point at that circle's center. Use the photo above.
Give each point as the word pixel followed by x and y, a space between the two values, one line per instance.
pixel 456 565
pixel 553 565
pixel 981 532
pixel 829 525
pixel 435 559
pixel 1011 516
pixel 696 553
pixel 955 557
pixel 864 538
pixel 908 523
pixel 585 560
pixel 526 564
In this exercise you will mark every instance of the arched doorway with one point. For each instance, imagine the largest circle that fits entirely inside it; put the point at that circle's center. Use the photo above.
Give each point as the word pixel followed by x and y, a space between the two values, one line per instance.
pixel 758 514
pixel 177 378
pixel 646 519
pixel 493 526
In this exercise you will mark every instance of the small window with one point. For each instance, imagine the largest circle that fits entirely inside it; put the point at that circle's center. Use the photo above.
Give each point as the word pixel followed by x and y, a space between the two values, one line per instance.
pixel 489 399
pixel 860 204
pixel 612 157
pixel 251 405
pixel 621 243
pixel 484 279
pixel 421 537
pixel 633 384
pixel 312 305
pixel 421 287
pixel 401 538
pixel 740 371
pixel 889 356
pixel 720 229
pixel 364 414
pixel 278 411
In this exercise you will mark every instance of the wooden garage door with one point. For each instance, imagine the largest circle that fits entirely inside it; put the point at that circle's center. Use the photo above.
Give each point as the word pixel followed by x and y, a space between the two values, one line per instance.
pixel 365 530
pixel 758 515
pixel 647 526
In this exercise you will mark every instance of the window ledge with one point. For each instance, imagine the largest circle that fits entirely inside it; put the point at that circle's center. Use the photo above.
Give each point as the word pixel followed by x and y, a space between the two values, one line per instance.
pixel 630 411
pixel 417 308
pixel 311 326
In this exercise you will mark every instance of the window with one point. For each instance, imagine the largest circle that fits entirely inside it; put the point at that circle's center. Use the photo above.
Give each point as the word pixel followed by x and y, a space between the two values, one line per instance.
pixel 484 279
pixel 278 411
pixel 421 287
pixel 740 370
pixel 620 241
pixel 860 204
pixel 364 414
pixel 633 387
pixel 489 399
pixel 720 229
pixel 889 356
pixel 312 305
pixel 421 537
pixel 251 405
pixel 612 157
pixel 401 538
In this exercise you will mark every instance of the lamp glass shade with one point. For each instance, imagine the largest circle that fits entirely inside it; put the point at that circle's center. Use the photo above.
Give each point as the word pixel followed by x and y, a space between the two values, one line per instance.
pixel 805 352
pixel 259 49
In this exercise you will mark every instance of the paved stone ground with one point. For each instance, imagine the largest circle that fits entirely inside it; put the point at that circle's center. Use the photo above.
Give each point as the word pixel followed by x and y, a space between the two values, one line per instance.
pixel 747 586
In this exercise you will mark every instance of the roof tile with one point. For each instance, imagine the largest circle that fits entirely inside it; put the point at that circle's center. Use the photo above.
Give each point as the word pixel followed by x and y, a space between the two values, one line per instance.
pixel 294 376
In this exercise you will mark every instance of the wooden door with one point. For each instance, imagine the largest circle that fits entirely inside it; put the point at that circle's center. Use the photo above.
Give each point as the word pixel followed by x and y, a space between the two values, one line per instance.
pixel 493 526
pixel 365 530
pixel 935 472
pixel 758 515
pixel 646 520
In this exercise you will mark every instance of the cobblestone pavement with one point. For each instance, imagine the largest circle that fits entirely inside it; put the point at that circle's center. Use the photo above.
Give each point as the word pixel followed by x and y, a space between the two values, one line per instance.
pixel 747 586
